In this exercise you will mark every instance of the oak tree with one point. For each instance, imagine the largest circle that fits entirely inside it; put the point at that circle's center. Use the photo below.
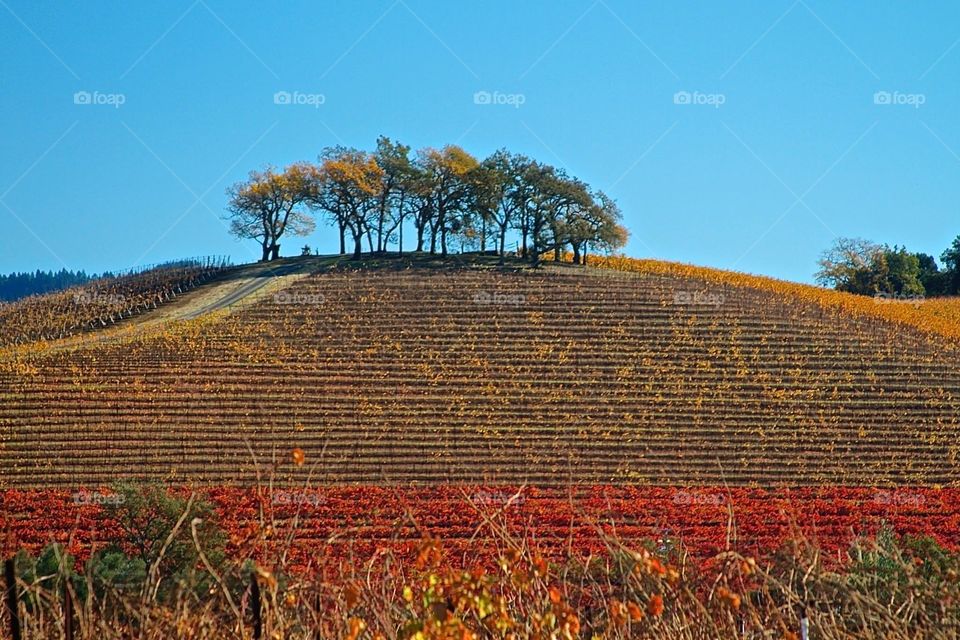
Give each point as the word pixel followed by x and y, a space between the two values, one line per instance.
pixel 270 204
pixel 350 184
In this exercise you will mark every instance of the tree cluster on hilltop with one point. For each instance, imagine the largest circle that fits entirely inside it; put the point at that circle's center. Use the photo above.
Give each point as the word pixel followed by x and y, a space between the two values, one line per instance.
pixel 447 196
pixel 860 266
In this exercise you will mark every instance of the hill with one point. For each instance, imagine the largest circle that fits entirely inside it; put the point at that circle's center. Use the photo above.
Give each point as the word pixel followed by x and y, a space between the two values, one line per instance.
pixel 437 372
pixel 102 302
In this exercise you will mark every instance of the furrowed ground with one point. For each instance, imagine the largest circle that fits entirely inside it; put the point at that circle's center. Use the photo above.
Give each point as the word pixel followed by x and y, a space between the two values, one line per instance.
pixel 102 302
pixel 458 374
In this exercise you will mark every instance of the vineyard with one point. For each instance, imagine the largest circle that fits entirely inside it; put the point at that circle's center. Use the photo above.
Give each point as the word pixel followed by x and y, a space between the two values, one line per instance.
pixel 633 375
pixel 939 316
pixel 353 427
pixel 102 302
pixel 340 522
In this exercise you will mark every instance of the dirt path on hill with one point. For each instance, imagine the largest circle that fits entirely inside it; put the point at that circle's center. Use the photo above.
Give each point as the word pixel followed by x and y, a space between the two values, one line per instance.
pixel 242 290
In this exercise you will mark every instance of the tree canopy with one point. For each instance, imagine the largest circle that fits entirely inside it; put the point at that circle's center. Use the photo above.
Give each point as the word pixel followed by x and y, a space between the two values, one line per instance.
pixel 452 200
pixel 270 204
pixel 860 266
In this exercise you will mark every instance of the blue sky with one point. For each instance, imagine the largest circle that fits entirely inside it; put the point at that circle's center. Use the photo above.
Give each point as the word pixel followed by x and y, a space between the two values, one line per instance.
pixel 775 144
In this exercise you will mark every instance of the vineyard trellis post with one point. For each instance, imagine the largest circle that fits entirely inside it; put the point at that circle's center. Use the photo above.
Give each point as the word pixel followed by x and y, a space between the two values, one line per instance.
pixel 318 634
pixel 10 575
pixel 67 611
pixel 256 606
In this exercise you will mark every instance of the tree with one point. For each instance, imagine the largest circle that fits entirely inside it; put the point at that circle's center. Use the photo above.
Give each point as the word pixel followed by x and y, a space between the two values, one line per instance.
pixel 900 273
pixel 421 204
pixel 501 193
pixel 147 518
pixel 951 260
pixel 859 266
pixel 350 184
pixel 482 205
pixel 444 187
pixel 598 224
pixel 394 201
pixel 551 194
pixel 446 192
pixel 848 265
pixel 270 204
pixel 317 202
pixel 934 281
pixel 576 220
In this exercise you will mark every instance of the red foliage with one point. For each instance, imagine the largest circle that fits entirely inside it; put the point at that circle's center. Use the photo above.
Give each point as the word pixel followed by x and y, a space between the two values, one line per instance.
pixel 338 523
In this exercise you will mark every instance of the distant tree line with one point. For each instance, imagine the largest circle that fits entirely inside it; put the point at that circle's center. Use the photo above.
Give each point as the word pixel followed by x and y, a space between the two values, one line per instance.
pixel 20 285
pixel 864 267
pixel 447 197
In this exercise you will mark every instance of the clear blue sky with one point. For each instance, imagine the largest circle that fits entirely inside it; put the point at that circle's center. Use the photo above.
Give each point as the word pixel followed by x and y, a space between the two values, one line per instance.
pixel 797 152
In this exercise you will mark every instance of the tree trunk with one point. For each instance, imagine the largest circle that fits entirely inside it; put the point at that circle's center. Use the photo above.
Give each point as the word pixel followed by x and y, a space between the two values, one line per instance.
pixel 380 233
pixel 419 238
pixel 357 246
pixel 443 241
pixel 400 228
pixel 275 251
pixel 266 252
pixel 503 243
pixel 576 253
pixel 343 238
